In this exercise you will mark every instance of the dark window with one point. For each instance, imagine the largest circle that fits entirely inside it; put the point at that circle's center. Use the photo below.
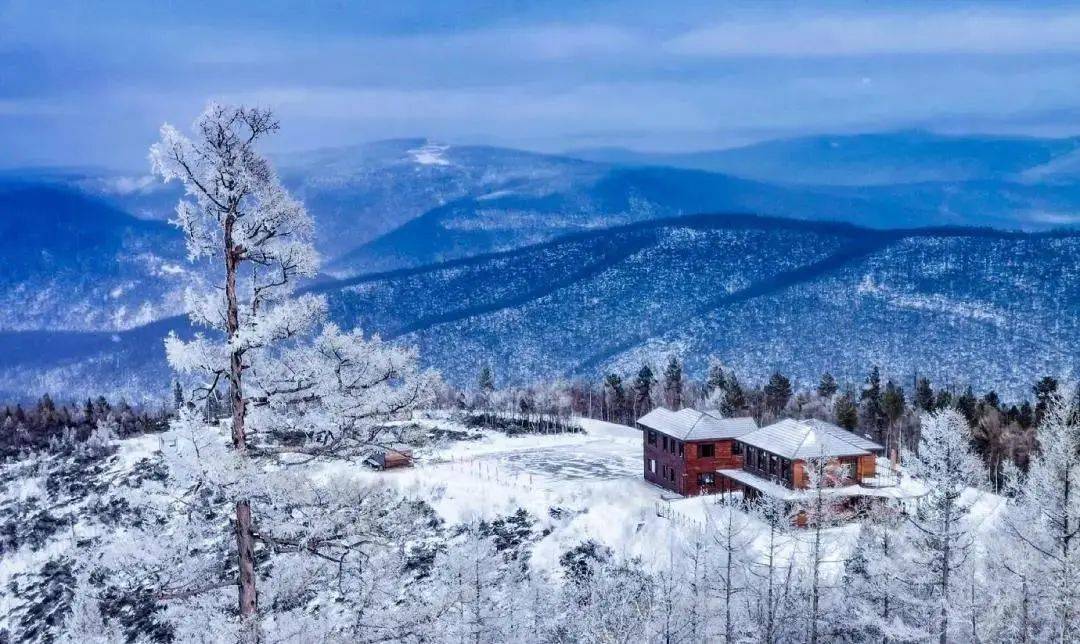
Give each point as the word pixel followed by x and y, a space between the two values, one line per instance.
pixel 706 450
pixel 736 448
pixel 706 478
pixel 671 474
pixel 652 437
pixel 671 446
pixel 680 449
pixel 665 444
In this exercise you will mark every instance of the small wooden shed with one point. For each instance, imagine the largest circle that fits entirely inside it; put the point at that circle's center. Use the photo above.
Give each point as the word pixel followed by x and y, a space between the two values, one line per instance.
pixel 389 457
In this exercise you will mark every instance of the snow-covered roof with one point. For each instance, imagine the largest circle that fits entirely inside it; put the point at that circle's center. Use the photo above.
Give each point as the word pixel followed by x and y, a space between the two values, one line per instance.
pixel 802 439
pixel 693 425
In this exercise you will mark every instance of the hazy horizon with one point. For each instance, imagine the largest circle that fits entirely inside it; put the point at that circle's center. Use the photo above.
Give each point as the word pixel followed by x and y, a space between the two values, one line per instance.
pixel 90 84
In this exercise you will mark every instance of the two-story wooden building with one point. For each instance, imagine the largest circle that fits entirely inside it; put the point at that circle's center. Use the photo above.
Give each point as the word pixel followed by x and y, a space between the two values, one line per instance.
pixel 774 459
pixel 684 450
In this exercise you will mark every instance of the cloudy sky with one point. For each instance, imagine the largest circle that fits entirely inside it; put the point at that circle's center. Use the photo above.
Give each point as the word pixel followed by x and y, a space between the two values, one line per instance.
pixel 88 83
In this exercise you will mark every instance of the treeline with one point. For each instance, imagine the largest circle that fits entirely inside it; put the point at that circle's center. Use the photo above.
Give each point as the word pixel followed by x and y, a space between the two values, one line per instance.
pixel 48 425
pixel 879 407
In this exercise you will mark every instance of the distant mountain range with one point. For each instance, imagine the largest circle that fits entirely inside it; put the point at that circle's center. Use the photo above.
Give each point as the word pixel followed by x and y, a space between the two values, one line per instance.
pixel 878 159
pixel 549 264
pixel 989 308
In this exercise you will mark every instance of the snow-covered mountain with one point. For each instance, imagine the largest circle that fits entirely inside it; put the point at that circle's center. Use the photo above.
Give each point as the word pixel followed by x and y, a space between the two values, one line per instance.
pixel 875 159
pixel 75 262
pixel 993 309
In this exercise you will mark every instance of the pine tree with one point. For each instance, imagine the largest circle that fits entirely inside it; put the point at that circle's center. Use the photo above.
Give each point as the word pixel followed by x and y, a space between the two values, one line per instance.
pixel 734 398
pixel 673 383
pixel 486 381
pixel 966 404
pixel 827 386
pixel 846 412
pixel 178 395
pixel 616 397
pixel 717 378
pixel 870 402
pixel 777 392
pixel 643 388
pixel 924 395
pixel 1044 391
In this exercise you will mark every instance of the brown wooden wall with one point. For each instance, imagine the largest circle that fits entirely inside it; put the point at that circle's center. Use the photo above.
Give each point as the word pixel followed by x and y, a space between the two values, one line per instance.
pixel 866 468
pixel 688 467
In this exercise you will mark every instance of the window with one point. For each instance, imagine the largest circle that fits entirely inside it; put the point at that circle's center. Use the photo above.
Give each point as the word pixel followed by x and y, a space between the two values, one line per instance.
pixel 706 478
pixel 671 474
pixel 652 437
pixel 706 450
pixel 665 444
pixel 652 465
pixel 736 448
pixel 774 465
pixel 680 449
pixel 671 446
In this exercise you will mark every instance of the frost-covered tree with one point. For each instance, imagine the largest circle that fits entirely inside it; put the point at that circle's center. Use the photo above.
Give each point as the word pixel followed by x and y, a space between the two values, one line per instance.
pixel 298 389
pixel 939 530
pixel 1043 518
pixel 732 536
pixel 771 572
pixel 236 213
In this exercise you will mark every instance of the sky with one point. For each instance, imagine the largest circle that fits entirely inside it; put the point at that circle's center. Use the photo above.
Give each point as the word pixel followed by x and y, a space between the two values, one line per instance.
pixel 90 83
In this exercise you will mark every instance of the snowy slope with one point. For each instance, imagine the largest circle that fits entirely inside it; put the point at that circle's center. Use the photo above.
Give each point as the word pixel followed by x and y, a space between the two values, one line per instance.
pixel 991 309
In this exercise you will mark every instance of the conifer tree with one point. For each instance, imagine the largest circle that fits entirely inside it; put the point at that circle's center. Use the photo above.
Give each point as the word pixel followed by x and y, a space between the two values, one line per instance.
pixel 924 395
pixel 734 401
pixel 643 388
pixel 673 383
pixel 827 385
pixel 777 392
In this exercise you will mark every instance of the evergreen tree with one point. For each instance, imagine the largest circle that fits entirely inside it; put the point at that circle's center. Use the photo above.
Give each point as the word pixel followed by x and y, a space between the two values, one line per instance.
pixel 717 379
pixel 616 397
pixel 1044 390
pixel 892 402
pixel 924 395
pixel 870 401
pixel 827 386
pixel 673 384
pixel 486 381
pixel 777 392
pixel 1025 415
pixel 966 404
pixel 846 412
pixel 734 398
pixel 944 400
pixel 643 388
pixel 178 395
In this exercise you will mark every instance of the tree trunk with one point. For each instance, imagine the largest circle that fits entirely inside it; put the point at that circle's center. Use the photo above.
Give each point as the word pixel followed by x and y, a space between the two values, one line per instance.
pixel 245 540
pixel 245 548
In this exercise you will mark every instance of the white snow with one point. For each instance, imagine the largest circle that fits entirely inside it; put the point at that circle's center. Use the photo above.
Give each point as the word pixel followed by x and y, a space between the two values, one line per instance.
pixel 430 154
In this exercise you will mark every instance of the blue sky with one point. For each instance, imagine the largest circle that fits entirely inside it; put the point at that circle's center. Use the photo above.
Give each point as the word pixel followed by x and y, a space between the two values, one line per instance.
pixel 88 83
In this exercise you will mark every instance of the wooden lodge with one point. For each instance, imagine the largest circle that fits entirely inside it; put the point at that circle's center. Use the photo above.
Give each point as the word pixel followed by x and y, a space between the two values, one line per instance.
pixel 774 459
pixel 684 450
pixel 690 452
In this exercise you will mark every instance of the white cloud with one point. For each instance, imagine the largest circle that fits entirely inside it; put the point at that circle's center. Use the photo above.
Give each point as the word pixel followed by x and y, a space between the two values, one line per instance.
pixel 983 31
